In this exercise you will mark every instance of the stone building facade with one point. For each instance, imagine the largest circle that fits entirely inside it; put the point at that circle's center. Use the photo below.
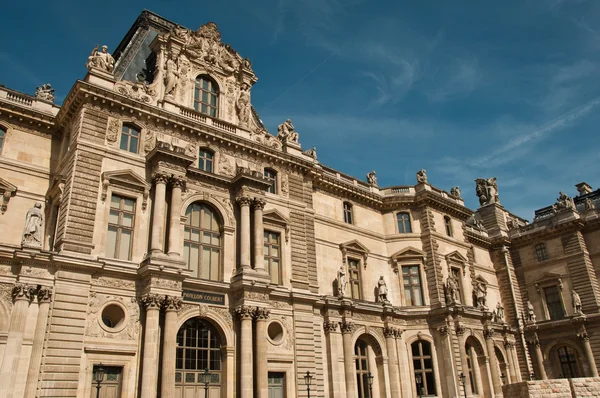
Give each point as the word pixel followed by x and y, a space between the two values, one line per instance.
pixel 152 225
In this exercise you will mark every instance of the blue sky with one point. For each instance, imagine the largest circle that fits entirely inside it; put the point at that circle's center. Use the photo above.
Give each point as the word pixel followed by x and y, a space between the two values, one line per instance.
pixel 463 89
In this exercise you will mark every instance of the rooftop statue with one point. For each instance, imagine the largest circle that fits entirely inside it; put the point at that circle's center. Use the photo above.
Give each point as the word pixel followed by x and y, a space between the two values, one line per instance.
pixel 171 77
pixel 312 153
pixel 101 60
pixel 45 93
pixel 487 191
pixel 285 132
pixel 421 176
pixel 564 202
pixel 372 178
pixel 455 192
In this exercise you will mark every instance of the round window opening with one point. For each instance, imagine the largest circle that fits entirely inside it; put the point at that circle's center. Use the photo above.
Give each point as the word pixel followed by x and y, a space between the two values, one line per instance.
pixel 113 316
pixel 275 332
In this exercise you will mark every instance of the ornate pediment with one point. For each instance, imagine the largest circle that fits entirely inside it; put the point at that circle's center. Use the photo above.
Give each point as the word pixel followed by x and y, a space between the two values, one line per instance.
pixel 456 257
pixel 7 190
pixel 275 217
pixel 128 180
pixel 354 247
pixel 548 278
pixel 408 253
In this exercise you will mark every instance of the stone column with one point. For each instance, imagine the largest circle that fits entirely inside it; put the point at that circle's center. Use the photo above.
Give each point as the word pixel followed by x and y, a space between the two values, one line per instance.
pixel 463 359
pixel 149 381
pixel 158 213
pixel 347 328
pixel 406 381
pixel 244 203
pixel 44 294
pixel 169 349
pixel 246 384
pixel 175 245
pixel 538 358
pixel 390 345
pixel 489 342
pixel 262 386
pixel 12 351
pixel 589 354
pixel 509 347
pixel 333 354
pixel 259 234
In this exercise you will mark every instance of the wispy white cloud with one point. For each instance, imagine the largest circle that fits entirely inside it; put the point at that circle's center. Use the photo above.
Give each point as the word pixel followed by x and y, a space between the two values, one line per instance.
pixel 459 77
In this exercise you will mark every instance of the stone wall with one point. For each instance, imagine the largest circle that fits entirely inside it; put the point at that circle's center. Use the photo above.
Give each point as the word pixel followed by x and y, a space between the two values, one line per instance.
pixel 556 388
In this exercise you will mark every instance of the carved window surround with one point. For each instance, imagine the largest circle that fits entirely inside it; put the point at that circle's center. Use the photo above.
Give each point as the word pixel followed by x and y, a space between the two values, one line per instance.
pixel 128 181
pixel 354 248
pixel 7 190
pixel 547 280
pixel 274 218
pixel 410 256
pixel 457 260
pixel 275 221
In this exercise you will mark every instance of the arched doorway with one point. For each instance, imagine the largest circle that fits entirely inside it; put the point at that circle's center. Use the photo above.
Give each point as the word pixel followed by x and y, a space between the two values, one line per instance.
pixel 504 372
pixel 477 364
pixel 198 350
pixel 369 362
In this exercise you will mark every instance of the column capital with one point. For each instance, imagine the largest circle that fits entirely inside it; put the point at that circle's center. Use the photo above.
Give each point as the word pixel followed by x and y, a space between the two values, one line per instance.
pixel 509 345
pixel 398 333
pixel 160 178
pixel 261 313
pixel 347 327
pixel 535 341
pixel 245 312
pixel 583 335
pixel 330 326
pixel 171 303
pixel 243 200
pixel 151 301
pixel 44 294
pixel 488 334
pixel 444 330
pixel 460 330
pixel 389 332
pixel 178 182
pixel 259 203
pixel 22 291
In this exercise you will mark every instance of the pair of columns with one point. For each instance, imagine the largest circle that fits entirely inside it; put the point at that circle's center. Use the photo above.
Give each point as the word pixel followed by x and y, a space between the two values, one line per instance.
pixel 246 315
pixel 158 221
pixel 23 295
pixel 258 204
pixel 153 304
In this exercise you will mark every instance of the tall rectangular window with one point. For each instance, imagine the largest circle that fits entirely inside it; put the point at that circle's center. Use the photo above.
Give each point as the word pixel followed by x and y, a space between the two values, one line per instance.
pixel 121 221
pixel 448 225
pixel 403 223
pixel 354 278
pixel 554 303
pixel 129 139
pixel 271 177
pixel 540 252
pixel 348 213
pixel 205 160
pixel 2 135
pixel 272 254
pixel 413 292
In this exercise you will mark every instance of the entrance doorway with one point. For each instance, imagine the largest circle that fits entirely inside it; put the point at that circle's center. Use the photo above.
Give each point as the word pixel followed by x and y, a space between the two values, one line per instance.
pixel 276 385
pixel 111 385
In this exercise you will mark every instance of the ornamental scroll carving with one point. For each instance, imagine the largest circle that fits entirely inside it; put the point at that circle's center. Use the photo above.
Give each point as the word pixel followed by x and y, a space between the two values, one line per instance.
pixel 113 129
pixel 94 317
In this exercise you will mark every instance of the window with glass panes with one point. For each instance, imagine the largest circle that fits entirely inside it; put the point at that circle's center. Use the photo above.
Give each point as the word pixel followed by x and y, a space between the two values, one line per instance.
pixel 362 368
pixel 272 254
pixel 271 177
pixel 412 285
pixel 348 213
pixel 457 274
pixel 403 223
pixel 121 221
pixel 2 136
pixel 554 302
pixel 130 137
pixel 423 365
pixel 354 278
pixel 202 242
pixel 206 95
pixel 448 225
pixel 198 348
pixel 205 160
pixel 568 362
pixel 540 252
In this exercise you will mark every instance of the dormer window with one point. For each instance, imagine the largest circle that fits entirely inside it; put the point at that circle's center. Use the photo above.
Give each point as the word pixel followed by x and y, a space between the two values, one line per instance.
pixel 205 160
pixel 206 96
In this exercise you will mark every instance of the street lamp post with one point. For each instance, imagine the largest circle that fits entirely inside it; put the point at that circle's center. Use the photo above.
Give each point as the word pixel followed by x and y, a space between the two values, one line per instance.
pixel 307 380
pixel 205 378
pixel 98 377
pixel 463 380
pixel 370 381
pixel 419 380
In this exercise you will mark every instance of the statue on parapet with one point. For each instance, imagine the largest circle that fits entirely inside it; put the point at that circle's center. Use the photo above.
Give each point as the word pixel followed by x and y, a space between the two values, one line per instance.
pixel 372 178
pixel 451 290
pixel 576 303
pixel 487 191
pixel 564 202
pixel 101 60
pixel 286 132
pixel 422 176
pixel 382 290
pixel 530 312
pixel 499 313
pixel 312 153
pixel 455 192
pixel 45 93
pixel 34 222
pixel 342 281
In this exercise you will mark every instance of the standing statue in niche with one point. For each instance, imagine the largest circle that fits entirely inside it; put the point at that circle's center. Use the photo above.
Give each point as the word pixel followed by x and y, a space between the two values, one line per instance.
pixel 451 290
pixel 422 176
pixel 382 290
pixel 499 314
pixel 481 295
pixel 487 191
pixel 342 281
pixel 101 60
pixel 285 132
pixel 171 77
pixel 34 222
pixel 530 312
pixel 372 178
pixel 576 303
pixel 243 106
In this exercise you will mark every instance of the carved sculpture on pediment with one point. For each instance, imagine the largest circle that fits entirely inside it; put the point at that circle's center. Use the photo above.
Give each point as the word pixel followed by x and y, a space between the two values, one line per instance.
pixel 101 60
pixel 45 93
pixel 34 225
pixel 372 178
pixel 564 202
pixel 487 191
pixel 455 192
pixel 242 106
pixel 133 91
pixel 286 132
pixel 112 130
pixel 171 77
pixel 421 176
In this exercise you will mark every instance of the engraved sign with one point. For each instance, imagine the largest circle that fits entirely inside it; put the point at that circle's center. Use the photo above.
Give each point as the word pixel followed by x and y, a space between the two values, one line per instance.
pixel 203 297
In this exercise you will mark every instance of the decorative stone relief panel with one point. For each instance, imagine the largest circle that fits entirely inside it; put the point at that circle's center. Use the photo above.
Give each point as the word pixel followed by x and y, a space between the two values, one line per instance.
pixel 93 327
pixel 113 129
pixel 114 282
pixel 6 294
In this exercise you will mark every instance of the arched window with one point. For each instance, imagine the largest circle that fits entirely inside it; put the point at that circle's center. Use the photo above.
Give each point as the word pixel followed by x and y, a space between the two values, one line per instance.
pixel 362 368
pixel 205 160
pixel 206 96
pixel 568 362
pixel 2 136
pixel 423 367
pixel 130 137
pixel 202 242
pixel 403 223
pixel 448 225
pixel 348 216
pixel 504 373
pixel 198 348
pixel 271 177
pixel 471 362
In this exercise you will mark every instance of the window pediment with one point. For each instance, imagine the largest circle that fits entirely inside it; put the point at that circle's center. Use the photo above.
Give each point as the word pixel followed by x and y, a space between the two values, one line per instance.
pixel 407 255
pixel 354 247
pixel 128 180
pixel 455 258
pixel 7 190
pixel 276 218
pixel 548 278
